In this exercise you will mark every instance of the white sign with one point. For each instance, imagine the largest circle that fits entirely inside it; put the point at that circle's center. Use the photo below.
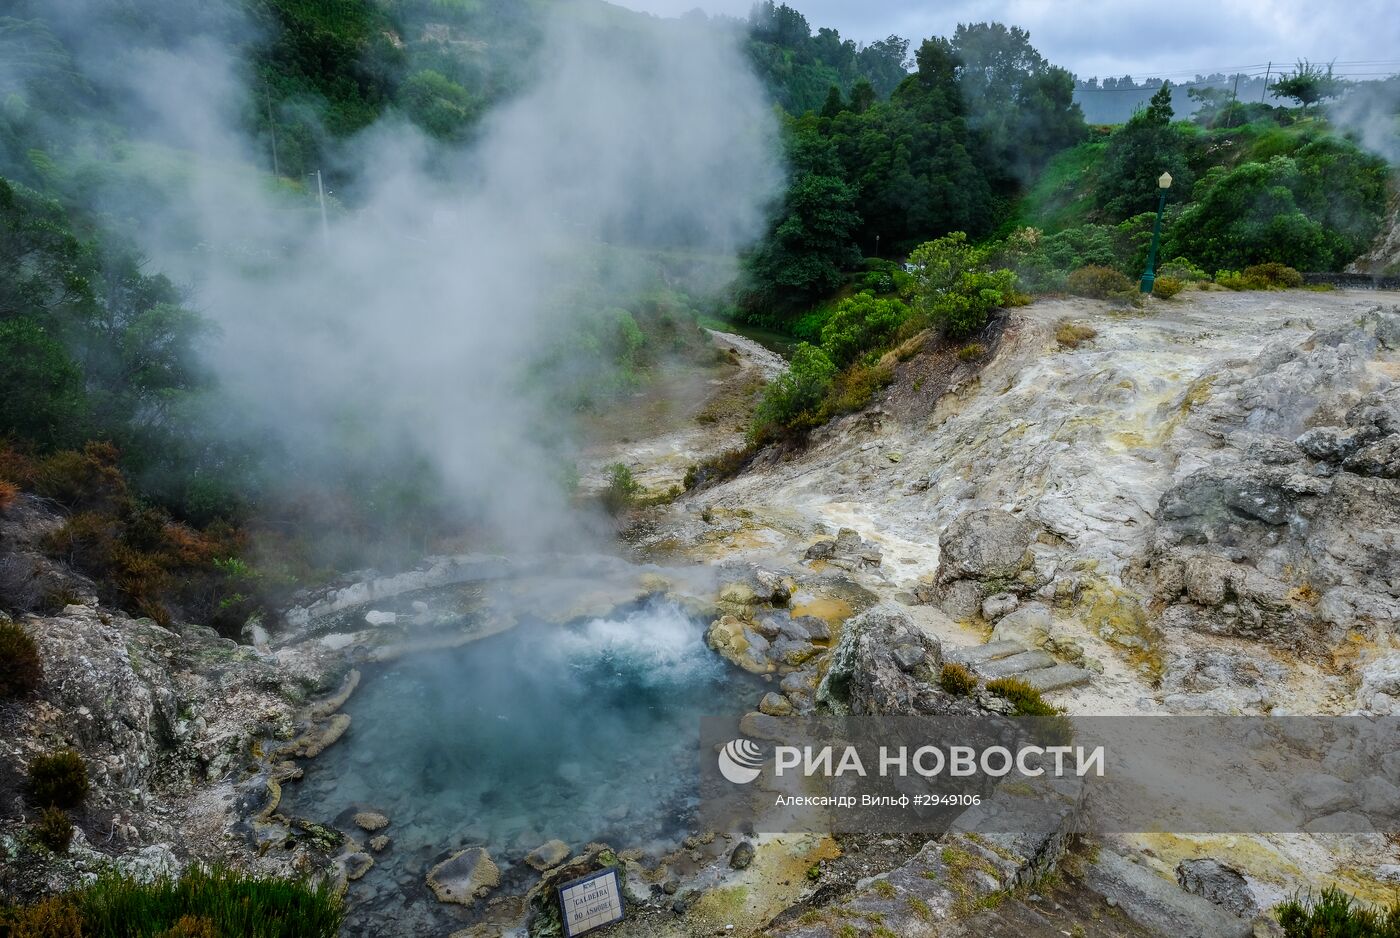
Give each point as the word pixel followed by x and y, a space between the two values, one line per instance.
pixel 591 901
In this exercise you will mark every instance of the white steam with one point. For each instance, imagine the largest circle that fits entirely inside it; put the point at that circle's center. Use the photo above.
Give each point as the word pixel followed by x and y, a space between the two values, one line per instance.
pixel 409 328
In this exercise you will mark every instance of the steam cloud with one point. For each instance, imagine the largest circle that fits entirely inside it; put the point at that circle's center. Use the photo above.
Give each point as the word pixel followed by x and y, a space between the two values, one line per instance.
pixel 409 327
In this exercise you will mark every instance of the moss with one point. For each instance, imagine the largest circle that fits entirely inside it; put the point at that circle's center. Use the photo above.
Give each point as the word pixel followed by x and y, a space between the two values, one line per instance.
pixel 883 888
pixel 920 908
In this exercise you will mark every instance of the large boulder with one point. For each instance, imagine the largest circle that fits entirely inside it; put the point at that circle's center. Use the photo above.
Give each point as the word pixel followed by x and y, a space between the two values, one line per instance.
pixel 984 544
pixel 884 664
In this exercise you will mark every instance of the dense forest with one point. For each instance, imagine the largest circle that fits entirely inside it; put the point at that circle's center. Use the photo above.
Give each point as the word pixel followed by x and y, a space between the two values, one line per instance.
pixel 966 156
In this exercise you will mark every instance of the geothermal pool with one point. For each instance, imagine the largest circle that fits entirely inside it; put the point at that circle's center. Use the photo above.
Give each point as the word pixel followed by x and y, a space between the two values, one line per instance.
pixel 581 733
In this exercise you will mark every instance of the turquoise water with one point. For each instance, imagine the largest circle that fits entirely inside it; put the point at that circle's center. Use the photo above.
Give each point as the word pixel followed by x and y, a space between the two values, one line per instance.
pixel 579 733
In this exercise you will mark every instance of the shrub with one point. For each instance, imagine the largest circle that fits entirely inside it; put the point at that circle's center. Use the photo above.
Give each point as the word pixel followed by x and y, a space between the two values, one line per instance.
pixel 1336 915
pixel 1098 282
pixel 1164 288
pixel 622 490
pixel 725 465
pixel 972 352
pixel 853 389
pixel 791 400
pixel 59 779
pixel 8 493
pixel 1260 277
pixel 860 324
pixel 54 829
pixel 1073 335
pixel 1273 276
pixel 1025 698
pixel 20 667
pixel 1181 268
pixel 57 917
pixel 953 287
pixel 957 680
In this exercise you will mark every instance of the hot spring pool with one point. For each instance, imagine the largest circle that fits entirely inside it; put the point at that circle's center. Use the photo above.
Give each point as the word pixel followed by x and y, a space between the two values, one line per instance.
pixel 580 733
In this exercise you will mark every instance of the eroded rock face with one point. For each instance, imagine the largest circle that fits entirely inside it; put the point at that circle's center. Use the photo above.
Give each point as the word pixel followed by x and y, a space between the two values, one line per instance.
pixel 1224 885
pixel 1290 531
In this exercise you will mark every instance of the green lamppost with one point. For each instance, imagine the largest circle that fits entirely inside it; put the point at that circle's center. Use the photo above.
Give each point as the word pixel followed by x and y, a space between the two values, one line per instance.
pixel 1164 182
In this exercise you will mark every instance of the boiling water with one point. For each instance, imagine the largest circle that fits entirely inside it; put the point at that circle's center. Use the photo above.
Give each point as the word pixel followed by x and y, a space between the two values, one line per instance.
pixel 579 733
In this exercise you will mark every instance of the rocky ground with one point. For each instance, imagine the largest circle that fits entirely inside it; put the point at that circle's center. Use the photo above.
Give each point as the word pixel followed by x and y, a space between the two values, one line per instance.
pixel 1195 511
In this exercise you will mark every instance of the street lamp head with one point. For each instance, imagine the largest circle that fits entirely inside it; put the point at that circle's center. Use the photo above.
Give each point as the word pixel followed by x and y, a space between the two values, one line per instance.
pixel 1164 181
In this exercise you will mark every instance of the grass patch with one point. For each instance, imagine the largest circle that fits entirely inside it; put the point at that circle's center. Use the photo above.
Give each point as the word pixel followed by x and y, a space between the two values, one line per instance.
pixel 957 680
pixel 973 351
pixel 201 902
pixel 1025 698
pixel 1073 335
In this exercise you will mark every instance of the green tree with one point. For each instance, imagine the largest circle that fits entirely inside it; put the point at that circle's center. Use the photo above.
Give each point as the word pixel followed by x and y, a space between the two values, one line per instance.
pixel 811 241
pixel 437 104
pixel 1308 84
pixel 1020 107
pixel 1139 152
pixel 41 389
pixel 862 96
pixel 834 105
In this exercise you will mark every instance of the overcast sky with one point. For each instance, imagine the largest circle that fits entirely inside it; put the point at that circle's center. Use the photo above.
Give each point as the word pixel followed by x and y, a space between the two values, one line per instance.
pixel 1117 37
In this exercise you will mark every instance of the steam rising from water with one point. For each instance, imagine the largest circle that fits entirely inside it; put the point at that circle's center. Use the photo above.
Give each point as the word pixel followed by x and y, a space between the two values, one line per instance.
pixel 408 329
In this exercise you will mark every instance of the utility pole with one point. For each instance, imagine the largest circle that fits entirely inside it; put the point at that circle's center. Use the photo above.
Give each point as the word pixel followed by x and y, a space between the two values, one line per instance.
pixel 272 128
pixel 1234 99
pixel 325 224
pixel 1267 72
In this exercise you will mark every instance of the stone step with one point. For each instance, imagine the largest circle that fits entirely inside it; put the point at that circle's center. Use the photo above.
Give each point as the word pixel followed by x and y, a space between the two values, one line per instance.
pixel 1015 665
pixel 980 654
pixel 1060 676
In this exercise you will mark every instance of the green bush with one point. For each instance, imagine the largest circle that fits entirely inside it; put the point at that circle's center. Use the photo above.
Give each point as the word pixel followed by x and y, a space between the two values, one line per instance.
pixel 957 680
pixel 54 829
pixel 1270 276
pixel 622 490
pixel 791 400
pixel 1182 269
pixel 1334 914
pixel 972 352
pixel 954 289
pixel 58 779
pixel 1164 288
pixel 860 324
pixel 20 667
pixel 1099 282
pixel 1025 698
